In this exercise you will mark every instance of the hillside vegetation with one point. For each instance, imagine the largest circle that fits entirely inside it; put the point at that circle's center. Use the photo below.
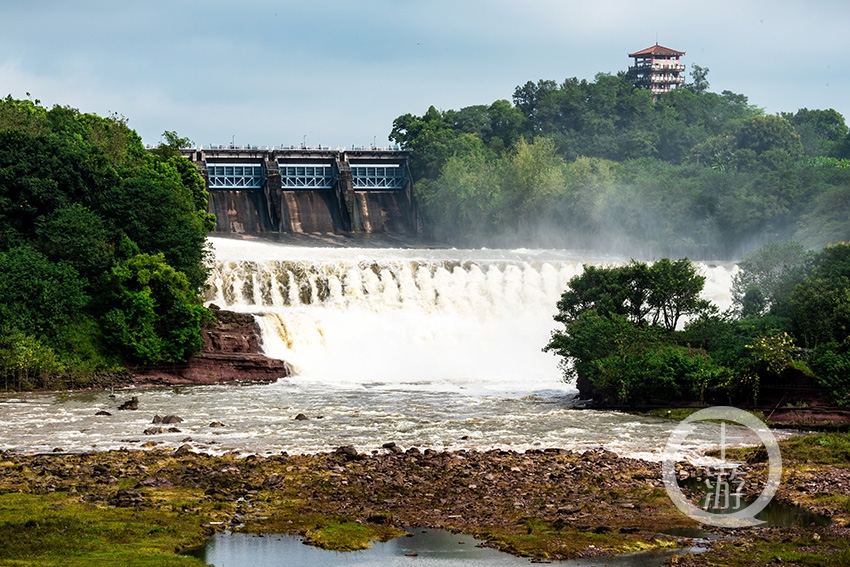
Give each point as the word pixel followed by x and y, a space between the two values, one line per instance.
pixel 102 247
pixel 598 164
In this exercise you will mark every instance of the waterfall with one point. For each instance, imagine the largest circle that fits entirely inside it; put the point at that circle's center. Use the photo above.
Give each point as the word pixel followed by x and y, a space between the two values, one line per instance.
pixel 449 319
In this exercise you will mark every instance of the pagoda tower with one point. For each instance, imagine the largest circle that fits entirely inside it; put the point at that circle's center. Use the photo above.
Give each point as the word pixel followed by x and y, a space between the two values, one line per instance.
pixel 657 68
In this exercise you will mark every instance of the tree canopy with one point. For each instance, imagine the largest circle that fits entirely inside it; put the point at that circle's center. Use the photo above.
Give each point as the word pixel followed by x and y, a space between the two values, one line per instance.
pixel 639 334
pixel 102 243
pixel 695 173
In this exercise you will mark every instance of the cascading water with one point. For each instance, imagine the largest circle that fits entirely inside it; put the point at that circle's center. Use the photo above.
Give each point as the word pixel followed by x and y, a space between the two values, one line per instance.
pixel 432 348
pixel 473 319
pixel 476 323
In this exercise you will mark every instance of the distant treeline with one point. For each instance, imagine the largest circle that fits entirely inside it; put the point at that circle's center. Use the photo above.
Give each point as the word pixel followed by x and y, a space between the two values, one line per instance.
pixel 600 165
pixel 102 247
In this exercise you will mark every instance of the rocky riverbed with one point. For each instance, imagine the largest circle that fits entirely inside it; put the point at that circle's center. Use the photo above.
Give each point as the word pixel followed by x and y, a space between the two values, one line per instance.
pixel 543 503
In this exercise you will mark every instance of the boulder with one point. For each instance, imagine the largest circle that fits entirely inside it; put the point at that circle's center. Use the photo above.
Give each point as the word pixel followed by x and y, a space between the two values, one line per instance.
pixel 131 404
pixel 183 450
pixel 127 498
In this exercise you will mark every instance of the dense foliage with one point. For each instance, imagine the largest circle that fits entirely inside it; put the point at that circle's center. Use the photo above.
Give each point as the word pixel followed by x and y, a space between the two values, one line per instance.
pixel 102 246
pixel 789 330
pixel 599 164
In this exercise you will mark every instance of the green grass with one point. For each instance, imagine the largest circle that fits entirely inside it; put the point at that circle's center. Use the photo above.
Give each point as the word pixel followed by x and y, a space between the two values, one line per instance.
pixel 57 529
pixel 818 448
pixel 348 536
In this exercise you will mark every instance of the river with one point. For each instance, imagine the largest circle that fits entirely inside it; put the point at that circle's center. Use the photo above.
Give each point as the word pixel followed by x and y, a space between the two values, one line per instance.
pixel 436 348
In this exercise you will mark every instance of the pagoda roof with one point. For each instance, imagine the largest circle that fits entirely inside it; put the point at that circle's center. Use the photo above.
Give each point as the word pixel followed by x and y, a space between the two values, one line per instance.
pixel 656 50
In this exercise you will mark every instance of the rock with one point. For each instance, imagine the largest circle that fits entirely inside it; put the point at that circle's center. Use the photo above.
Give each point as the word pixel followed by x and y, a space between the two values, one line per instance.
pixel 153 430
pixel 58 450
pixel 173 430
pixel 411 554
pixel 126 498
pixel 157 419
pixel 131 404
pixel 350 453
pixel 155 482
pixel 273 480
pixel 232 352
pixel 301 417
pixel 388 445
pixel 102 412
pixel 216 424
pixel 183 450
pixel 169 419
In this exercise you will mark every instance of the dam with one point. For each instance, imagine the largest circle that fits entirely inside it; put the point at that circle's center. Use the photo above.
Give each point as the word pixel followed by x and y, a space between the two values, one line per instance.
pixel 308 190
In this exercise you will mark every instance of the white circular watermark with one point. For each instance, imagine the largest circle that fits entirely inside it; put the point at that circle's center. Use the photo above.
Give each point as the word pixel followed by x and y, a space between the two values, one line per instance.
pixel 722 477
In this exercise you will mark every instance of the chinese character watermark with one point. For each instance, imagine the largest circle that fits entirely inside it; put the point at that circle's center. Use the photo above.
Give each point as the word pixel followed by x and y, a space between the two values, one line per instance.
pixel 723 480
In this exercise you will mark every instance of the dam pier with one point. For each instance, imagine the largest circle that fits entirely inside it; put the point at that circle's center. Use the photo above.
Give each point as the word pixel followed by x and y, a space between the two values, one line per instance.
pixel 309 190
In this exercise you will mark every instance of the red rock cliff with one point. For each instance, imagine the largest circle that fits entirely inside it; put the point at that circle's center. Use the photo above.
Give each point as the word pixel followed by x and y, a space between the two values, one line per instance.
pixel 232 353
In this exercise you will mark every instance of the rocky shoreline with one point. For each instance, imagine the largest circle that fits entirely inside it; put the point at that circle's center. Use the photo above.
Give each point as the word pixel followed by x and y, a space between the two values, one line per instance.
pixel 549 503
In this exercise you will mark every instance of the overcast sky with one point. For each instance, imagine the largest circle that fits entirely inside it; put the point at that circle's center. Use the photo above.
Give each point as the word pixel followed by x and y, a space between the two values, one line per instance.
pixel 337 73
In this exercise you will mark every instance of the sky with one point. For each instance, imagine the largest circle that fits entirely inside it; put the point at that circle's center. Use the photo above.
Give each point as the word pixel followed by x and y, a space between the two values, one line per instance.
pixel 337 73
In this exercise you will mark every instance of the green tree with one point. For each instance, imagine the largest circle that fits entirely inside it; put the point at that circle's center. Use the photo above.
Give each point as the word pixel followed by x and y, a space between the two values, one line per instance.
pixel 675 288
pixel 533 176
pixel 699 75
pixel 37 296
pixel 822 132
pixel 767 276
pixel 158 318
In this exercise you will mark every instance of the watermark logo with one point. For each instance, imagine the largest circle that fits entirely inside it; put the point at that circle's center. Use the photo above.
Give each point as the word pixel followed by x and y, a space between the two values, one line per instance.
pixel 723 479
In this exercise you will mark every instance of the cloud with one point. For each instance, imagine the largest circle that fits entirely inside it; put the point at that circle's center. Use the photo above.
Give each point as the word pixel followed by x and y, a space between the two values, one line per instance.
pixel 340 72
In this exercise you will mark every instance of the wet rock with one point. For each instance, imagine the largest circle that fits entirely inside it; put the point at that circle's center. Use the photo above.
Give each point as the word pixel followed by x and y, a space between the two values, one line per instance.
pixel 131 404
pixel 170 419
pixel 153 431
pixel 173 430
pixel 349 453
pixel 157 419
pixel 301 417
pixel 232 352
pixel 216 424
pixel 102 412
pixel 183 450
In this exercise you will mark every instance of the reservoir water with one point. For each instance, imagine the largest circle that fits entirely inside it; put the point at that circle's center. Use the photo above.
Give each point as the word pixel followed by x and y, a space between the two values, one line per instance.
pixel 427 348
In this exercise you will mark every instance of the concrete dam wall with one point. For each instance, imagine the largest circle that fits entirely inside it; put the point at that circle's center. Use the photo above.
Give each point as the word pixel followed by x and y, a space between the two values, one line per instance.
pixel 308 190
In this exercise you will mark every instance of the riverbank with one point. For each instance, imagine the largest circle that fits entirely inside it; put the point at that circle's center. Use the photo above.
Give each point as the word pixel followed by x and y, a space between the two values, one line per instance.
pixel 232 354
pixel 544 503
